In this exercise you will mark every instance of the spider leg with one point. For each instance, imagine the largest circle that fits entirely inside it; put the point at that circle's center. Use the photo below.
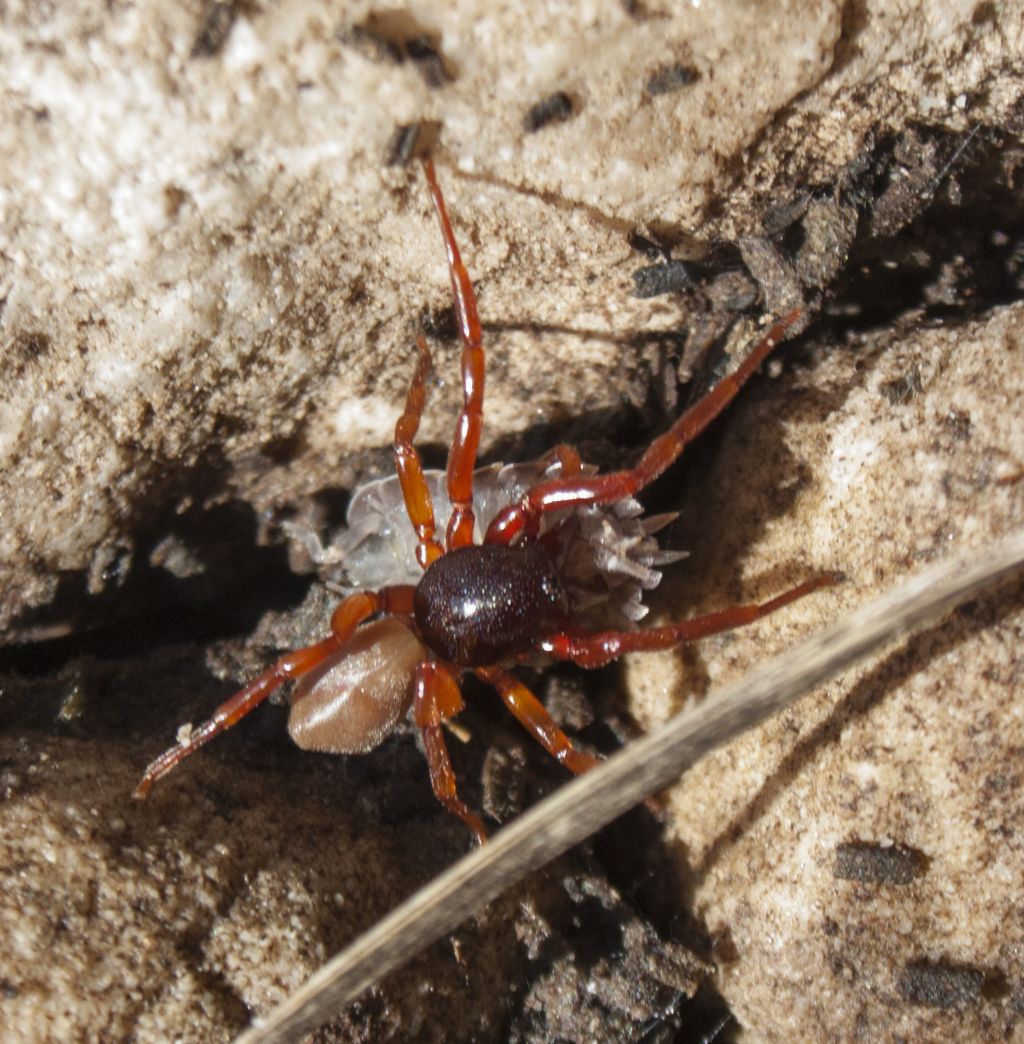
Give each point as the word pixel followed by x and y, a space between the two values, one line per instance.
pixel 568 457
pixel 524 517
pixel 533 716
pixel 436 697
pixel 415 492
pixel 462 456
pixel 601 647
pixel 344 620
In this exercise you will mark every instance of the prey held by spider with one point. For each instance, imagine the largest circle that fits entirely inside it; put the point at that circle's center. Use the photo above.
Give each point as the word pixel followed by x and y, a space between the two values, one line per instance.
pixel 548 558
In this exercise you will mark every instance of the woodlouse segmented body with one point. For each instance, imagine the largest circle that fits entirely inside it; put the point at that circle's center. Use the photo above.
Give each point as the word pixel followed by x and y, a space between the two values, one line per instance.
pixel 555 565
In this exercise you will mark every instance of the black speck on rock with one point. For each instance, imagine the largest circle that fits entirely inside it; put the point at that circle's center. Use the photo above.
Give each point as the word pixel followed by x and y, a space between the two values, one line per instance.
pixel 870 863
pixel 935 984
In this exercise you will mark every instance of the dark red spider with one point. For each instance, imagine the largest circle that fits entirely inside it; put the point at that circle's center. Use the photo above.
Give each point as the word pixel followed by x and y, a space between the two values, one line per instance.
pixel 478 607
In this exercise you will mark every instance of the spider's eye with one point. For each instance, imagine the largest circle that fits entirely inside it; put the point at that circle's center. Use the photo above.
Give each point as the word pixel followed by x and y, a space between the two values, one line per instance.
pixel 551 588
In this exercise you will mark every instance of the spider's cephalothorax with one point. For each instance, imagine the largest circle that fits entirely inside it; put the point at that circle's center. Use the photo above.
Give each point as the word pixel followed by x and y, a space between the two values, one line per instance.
pixel 548 558
pixel 487 603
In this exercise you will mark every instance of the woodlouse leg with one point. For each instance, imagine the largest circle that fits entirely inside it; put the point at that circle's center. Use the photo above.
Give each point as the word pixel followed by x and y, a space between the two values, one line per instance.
pixel 436 697
pixel 344 620
pixel 462 455
pixel 533 716
pixel 418 505
pixel 601 647
pixel 524 517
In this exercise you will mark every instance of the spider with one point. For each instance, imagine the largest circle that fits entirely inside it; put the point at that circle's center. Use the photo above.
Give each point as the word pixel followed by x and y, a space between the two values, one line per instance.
pixel 561 546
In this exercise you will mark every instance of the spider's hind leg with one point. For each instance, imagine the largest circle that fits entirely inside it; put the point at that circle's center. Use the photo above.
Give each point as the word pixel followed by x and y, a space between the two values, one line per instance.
pixel 533 716
pixel 601 647
pixel 344 621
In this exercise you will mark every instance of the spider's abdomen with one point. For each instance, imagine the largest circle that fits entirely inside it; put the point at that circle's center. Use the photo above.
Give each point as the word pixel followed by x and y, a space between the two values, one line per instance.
pixel 480 605
pixel 354 699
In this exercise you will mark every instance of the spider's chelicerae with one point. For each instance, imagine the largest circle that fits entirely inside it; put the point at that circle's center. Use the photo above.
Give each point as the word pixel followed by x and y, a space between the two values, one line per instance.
pixel 564 557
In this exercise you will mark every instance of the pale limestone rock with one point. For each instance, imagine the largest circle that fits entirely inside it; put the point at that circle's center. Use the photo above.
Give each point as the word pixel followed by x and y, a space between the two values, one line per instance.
pixel 847 465
pixel 210 283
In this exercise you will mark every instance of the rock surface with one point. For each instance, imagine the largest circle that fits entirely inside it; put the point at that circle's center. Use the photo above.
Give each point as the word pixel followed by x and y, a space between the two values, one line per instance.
pixel 210 284
pixel 211 279
pixel 858 860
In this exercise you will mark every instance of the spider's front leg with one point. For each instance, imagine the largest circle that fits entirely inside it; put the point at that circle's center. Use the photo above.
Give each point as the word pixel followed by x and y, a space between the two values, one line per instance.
pixel 523 518
pixel 462 455
pixel 415 492
pixel 344 621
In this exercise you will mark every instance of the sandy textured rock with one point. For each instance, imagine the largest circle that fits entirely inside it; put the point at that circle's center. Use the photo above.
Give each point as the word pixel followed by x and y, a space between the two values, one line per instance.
pixel 210 282
pixel 188 914
pixel 858 861
pixel 142 922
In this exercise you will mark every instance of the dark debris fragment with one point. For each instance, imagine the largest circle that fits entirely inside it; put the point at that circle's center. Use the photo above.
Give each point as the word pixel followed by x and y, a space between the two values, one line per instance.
pixel 410 140
pixel 555 108
pixel 504 781
pixel 644 244
pixel 601 970
pixel 402 144
pixel 396 37
pixel 773 272
pixel 372 44
pixel 958 424
pixel 670 78
pixel 870 863
pixel 902 389
pixel 828 231
pixel 422 52
pixel 782 214
pixel 935 984
pixel 217 20
pixel 666 277
pixel 25 348
pixel 922 219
